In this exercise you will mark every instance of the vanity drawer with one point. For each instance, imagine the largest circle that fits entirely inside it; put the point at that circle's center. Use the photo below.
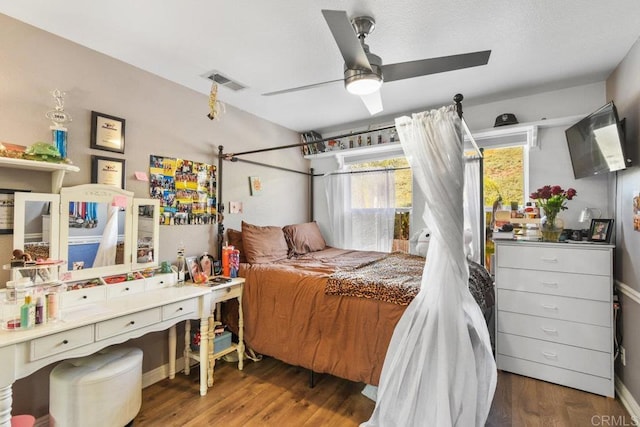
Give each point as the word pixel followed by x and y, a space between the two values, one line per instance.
pixel 224 294
pixel 123 324
pixel 125 288
pixel 61 342
pixel 159 281
pixel 556 258
pixel 556 307
pixel 178 309
pixel 555 283
pixel 83 296
pixel 561 331
pixel 554 354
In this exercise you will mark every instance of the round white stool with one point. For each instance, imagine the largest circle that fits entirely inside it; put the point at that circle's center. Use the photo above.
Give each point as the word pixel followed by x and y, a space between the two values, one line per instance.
pixel 101 390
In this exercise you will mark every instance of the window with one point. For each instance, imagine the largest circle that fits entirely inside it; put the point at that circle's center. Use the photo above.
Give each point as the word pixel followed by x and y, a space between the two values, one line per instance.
pixel 505 182
pixel 403 195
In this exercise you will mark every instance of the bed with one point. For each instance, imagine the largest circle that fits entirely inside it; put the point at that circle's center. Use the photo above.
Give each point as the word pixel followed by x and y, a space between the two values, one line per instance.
pixel 326 309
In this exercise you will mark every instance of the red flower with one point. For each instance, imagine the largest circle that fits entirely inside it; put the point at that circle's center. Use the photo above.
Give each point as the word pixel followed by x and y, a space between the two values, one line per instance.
pixel 552 199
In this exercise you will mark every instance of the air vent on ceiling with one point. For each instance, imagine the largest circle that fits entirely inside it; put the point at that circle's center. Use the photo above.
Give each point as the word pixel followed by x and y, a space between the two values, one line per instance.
pixel 224 81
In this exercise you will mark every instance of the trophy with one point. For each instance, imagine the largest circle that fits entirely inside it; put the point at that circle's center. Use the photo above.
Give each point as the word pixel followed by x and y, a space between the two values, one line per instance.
pixel 59 118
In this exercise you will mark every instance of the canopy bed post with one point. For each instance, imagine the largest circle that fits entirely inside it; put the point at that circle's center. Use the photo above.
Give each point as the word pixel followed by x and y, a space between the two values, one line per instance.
pixel 311 194
pixel 220 204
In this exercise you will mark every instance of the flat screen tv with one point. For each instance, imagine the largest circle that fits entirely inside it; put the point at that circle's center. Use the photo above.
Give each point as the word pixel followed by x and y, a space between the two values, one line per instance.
pixel 596 143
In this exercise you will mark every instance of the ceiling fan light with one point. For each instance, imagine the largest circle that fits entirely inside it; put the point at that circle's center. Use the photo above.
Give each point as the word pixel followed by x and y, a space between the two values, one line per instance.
pixel 364 85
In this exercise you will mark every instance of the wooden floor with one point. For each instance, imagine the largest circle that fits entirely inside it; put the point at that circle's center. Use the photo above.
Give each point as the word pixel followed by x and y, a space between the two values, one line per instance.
pixel 271 393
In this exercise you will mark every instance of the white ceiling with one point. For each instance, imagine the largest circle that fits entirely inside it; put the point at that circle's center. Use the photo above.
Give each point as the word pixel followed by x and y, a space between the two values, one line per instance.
pixel 278 44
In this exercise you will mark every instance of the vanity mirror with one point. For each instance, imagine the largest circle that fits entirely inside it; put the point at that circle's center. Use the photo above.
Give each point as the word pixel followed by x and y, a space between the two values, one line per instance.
pixel 95 230
pixel 98 230
pixel 36 225
pixel 146 228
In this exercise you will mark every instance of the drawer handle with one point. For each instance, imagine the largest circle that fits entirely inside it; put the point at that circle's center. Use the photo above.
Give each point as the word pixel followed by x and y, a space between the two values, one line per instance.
pixel 550 284
pixel 65 342
pixel 162 282
pixel 180 309
pixel 550 330
pixel 550 355
pixel 126 289
pixel 84 297
pixel 549 307
pixel 133 322
pixel 549 259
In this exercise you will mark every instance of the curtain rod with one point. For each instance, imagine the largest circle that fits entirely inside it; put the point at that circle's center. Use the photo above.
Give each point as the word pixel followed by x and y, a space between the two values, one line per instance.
pixel 235 159
pixel 229 156
pixel 457 99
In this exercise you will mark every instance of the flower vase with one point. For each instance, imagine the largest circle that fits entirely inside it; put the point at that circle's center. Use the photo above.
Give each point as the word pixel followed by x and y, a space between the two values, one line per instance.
pixel 552 229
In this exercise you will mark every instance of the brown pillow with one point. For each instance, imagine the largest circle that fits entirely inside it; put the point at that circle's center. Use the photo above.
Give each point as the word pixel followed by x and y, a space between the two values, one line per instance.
pixel 303 238
pixel 263 244
pixel 234 237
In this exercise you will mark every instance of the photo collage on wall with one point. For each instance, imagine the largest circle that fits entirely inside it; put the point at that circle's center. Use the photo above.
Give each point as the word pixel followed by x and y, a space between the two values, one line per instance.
pixel 186 189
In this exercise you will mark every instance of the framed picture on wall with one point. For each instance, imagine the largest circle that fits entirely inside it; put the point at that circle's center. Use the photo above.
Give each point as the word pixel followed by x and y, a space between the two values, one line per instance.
pixel 600 230
pixel 108 171
pixel 107 132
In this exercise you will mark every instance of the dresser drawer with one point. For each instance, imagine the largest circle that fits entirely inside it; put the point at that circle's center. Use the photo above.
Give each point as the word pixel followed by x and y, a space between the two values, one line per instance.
pixel 556 307
pixel 566 377
pixel 125 288
pixel 555 283
pixel 554 354
pixel 178 309
pixel 123 324
pixel 593 337
pixel 83 296
pixel 61 342
pixel 556 257
pixel 159 281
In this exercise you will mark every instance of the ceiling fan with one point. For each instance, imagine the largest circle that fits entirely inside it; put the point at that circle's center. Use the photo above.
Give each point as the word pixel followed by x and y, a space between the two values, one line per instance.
pixel 363 70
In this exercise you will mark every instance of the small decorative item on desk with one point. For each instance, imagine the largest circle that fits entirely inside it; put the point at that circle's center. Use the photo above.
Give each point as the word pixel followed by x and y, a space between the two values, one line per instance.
pixel 552 200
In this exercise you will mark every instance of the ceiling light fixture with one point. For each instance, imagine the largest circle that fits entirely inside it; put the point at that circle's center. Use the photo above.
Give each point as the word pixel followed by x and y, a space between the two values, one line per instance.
pixel 359 82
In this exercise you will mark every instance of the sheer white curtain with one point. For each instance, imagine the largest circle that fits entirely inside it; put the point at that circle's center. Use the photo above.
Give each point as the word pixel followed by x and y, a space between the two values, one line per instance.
pixel 472 207
pixel 361 209
pixel 439 369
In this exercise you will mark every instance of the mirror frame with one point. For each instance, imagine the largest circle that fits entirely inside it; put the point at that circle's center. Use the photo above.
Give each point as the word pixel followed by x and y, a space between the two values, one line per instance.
pixel 19 215
pixel 156 233
pixel 101 194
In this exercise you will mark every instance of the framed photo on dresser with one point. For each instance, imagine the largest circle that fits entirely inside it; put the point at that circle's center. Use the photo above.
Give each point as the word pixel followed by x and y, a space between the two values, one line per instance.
pixel 600 230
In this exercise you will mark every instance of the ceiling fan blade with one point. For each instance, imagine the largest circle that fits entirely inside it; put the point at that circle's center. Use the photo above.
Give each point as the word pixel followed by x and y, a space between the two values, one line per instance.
pixel 295 89
pixel 373 102
pixel 349 45
pixel 407 70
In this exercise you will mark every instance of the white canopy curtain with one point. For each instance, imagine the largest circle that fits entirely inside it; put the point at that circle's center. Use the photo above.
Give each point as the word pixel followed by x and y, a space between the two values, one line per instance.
pixel 361 209
pixel 472 207
pixel 439 369
pixel 107 249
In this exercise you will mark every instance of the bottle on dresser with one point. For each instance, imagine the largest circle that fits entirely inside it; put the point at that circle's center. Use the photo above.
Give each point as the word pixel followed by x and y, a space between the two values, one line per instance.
pixel 27 313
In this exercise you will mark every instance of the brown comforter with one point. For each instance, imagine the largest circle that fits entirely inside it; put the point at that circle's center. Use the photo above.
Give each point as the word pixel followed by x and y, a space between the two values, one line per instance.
pixel 288 315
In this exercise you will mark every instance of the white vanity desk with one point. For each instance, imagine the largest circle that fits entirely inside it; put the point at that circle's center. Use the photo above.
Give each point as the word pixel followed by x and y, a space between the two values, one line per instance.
pixel 93 318
pixel 97 326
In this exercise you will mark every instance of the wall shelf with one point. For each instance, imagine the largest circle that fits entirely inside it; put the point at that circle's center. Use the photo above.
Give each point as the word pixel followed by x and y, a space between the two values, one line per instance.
pixel 57 170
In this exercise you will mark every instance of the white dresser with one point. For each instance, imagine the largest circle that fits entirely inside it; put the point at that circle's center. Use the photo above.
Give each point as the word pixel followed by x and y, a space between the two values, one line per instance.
pixel 555 313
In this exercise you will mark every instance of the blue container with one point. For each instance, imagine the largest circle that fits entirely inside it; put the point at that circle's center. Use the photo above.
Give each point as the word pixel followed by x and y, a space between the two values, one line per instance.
pixel 220 342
